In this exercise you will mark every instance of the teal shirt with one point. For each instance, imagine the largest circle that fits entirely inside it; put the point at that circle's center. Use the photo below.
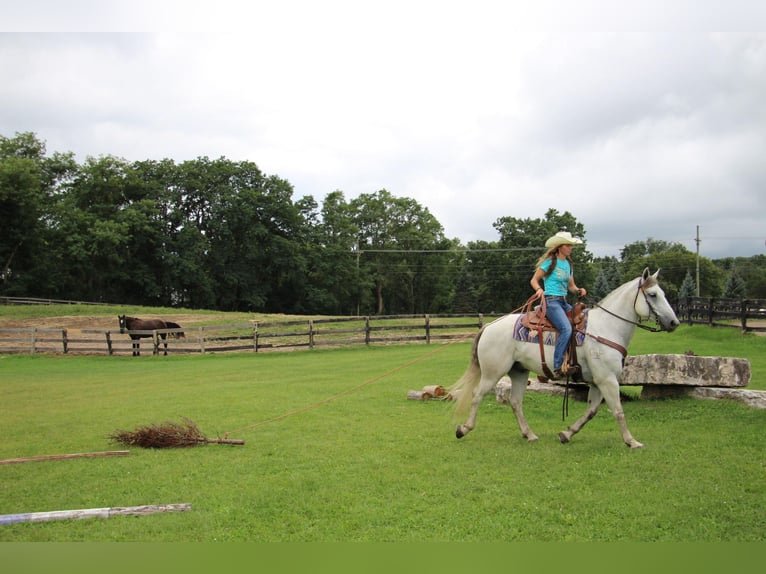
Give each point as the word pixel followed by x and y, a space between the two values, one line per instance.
pixel 557 283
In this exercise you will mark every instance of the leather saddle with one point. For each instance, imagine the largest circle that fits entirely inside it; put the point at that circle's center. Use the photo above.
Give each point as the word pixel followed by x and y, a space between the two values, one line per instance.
pixel 535 319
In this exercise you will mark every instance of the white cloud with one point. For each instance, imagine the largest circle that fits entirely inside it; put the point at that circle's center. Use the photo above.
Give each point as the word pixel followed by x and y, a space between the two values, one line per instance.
pixel 640 121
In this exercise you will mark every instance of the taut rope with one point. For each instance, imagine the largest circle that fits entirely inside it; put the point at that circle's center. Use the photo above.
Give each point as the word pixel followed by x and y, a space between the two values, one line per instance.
pixel 347 391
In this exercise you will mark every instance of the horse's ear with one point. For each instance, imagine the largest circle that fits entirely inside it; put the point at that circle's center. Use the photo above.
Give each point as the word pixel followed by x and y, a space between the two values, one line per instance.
pixel 656 273
pixel 645 274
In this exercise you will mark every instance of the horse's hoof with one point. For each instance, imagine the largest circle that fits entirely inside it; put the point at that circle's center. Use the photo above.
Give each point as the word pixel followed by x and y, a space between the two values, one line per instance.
pixel 564 437
pixel 635 444
pixel 459 432
pixel 532 438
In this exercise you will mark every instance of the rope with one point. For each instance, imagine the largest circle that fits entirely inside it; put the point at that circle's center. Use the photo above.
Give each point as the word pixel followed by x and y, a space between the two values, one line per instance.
pixel 347 391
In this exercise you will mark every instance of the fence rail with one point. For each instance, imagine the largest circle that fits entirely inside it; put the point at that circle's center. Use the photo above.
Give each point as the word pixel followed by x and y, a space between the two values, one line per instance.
pixel 41 301
pixel 251 336
pixel 746 314
pixel 749 315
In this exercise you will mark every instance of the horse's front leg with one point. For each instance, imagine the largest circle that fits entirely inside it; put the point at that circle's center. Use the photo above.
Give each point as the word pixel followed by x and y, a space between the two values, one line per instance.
pixel 165 343
pixel 136 347
pixel 594 402
pixel 611 392
pixel 518 388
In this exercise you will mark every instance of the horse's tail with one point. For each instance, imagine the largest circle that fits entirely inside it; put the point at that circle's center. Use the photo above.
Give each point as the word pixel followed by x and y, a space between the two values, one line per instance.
pixel 171 325
pixel 464 387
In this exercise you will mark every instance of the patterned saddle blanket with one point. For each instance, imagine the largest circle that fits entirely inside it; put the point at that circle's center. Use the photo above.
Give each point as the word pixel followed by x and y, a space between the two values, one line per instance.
pixel 527 335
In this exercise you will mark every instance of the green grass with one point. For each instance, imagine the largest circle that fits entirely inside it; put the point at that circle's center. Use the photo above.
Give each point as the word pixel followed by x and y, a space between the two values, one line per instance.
pixel 335 452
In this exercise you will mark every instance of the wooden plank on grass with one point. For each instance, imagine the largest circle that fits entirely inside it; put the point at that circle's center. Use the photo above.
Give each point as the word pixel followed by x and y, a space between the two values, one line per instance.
pixel 92 513
pixel 65 456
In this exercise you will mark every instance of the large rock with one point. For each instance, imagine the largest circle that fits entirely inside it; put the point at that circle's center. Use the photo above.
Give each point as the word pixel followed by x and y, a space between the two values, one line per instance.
pixel 685 370
pixel 664 376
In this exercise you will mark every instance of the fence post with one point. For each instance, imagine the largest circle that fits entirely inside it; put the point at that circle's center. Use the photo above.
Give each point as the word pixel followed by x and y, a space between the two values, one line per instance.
pixel 255 337
pixel 311 334
pixel 109 343
pixel 64 340
pixel 155 342
pixel 34 340
pixel 202 340
pixel 367 330
pixel 710 312
pixel 428 329
pixel 743 314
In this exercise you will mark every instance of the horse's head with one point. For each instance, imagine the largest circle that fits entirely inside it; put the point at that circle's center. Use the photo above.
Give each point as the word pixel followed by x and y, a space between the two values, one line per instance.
pixel 123 322
pixel 654 303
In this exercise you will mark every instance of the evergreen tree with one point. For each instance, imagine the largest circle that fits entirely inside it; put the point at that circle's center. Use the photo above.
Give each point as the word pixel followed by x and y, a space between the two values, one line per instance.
pixel 465 299
pixel 688 287
pixel 735 286
pixel 601 286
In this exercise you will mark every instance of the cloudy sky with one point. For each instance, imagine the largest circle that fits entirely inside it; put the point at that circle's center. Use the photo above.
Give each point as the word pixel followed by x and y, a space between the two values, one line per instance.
pixel 644 120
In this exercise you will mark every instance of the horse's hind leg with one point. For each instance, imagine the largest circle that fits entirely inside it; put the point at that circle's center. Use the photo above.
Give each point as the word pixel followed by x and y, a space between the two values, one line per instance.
pixel 485 385
pixel 519 381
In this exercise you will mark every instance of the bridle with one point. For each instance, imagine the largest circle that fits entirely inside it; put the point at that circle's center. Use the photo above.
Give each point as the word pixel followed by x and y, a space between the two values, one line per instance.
pixel 641 289
pixel 623 351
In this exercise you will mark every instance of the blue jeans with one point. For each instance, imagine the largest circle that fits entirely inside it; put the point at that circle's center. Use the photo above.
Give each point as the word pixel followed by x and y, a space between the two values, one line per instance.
pixel 556 311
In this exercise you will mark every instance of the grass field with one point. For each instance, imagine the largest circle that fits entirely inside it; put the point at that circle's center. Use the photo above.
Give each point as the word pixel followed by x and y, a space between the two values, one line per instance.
pixel 335 452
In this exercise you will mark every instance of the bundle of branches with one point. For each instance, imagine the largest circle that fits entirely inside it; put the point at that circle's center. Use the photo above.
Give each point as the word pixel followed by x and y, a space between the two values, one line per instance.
pixel 168 434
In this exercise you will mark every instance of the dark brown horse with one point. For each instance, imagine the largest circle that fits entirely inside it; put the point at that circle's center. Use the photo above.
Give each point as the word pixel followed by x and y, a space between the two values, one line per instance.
pixel 134 324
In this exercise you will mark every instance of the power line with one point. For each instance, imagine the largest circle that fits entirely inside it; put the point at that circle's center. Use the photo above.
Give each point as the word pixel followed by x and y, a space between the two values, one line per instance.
pixel 466 250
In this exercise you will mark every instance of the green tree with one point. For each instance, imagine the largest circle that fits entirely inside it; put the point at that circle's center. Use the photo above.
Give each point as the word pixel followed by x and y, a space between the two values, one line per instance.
pixel 608 276
pixel 254 260
pixel 108 235
pixel 335 285
pixel 674 261
pixel 752 270
pixel 29 184
pixel 735 286
pixel 465 299
pixel 601 287
pixel 402 248
pixel 688 287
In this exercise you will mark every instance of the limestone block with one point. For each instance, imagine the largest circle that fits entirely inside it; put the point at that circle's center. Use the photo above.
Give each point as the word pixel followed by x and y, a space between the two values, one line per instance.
pixel 755 399
pixel 685 370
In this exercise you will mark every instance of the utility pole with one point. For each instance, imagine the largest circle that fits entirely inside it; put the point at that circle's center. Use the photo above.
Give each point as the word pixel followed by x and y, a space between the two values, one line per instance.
pixel 698 260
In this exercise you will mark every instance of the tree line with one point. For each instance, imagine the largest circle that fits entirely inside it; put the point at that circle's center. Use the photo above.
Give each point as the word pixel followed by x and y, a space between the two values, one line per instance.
pixel 222 235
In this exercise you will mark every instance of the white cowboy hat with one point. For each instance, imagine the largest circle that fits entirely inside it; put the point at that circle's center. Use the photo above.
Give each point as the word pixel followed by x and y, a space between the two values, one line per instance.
pixel 562 238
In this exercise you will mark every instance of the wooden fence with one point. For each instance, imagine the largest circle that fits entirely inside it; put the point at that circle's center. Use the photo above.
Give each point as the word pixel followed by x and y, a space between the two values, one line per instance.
pixel 252 336
pixel 43 301
pixel 745 314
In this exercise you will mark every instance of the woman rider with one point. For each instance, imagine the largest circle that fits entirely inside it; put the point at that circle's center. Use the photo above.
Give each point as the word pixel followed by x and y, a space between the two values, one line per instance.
pixel 554 269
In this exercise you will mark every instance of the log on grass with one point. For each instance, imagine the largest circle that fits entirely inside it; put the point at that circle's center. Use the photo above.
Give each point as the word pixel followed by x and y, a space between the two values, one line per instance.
pixel 65 456
pixel 428 392
pixel 92 513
